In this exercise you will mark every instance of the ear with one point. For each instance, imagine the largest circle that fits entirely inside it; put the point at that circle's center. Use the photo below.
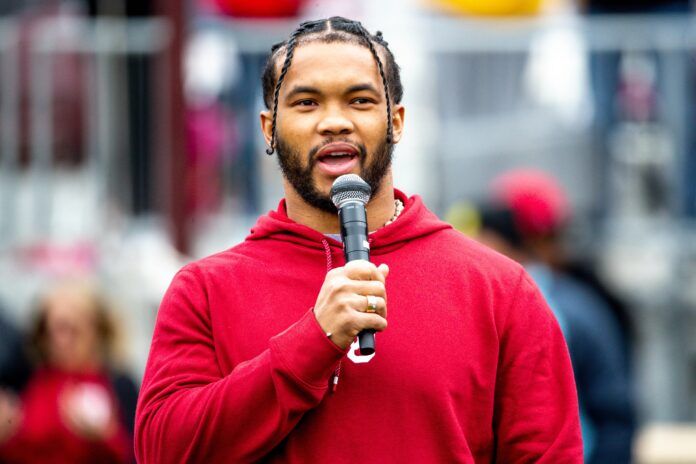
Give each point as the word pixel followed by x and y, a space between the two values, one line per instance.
pixel 398 112
pixel 267 125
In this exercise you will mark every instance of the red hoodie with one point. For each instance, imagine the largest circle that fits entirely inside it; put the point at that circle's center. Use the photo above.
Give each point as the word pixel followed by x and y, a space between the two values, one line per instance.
pixel 472 368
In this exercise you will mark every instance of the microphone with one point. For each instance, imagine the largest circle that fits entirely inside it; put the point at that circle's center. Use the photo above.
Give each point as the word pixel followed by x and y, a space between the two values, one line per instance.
pixel 350 194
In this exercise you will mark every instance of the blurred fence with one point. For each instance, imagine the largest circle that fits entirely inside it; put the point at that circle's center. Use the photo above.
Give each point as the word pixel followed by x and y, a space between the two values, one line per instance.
pixel 67 170
pixel 481 112
pixel 29 189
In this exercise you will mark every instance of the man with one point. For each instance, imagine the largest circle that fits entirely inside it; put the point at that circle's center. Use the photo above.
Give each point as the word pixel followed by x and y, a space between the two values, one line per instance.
pixel 251 358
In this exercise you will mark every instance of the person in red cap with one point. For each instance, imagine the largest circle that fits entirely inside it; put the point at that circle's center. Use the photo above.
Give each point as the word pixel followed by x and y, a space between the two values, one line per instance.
pixel 539 204
pixel 525 218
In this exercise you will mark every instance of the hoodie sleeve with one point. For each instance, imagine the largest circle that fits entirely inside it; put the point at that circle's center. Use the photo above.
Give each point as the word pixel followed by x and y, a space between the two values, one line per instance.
pixel 536 415
pixel 189 412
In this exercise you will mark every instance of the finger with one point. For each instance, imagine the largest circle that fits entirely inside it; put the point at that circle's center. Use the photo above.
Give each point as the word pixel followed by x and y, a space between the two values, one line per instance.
pixel 366 287
pixel 370 321
pixel 380 305
pixel 379 273
pixel 362 270
pixel 360 303
pixel 336 271
pixel 384 269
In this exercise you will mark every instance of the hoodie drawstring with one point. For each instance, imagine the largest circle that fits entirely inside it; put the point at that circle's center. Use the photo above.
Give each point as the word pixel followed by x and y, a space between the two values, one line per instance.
pixel 329 266
pixel 327 251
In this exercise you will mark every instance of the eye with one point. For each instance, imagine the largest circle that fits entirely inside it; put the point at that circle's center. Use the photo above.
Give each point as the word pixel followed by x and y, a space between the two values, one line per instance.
pixel 305 103
pixel 362 101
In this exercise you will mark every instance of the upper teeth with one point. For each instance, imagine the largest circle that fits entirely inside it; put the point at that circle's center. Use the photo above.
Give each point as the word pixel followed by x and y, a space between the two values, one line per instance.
pixel 339 153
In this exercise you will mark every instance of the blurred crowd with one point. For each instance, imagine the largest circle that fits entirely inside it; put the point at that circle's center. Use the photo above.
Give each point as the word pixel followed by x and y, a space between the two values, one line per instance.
pixel 67 393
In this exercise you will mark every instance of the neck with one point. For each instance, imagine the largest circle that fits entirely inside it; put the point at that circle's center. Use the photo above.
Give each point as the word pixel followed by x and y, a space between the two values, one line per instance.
pixel 379 210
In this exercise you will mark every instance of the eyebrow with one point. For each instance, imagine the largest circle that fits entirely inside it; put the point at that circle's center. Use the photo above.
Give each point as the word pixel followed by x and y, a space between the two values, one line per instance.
pixel 361 88
pixel 313 90
pixel 302 89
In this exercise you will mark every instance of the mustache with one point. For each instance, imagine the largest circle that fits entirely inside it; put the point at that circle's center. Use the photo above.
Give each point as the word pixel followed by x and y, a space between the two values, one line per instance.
pixel 362 151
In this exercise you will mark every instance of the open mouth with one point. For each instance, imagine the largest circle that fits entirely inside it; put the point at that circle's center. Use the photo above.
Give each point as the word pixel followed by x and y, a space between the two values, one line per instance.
pixel 337 158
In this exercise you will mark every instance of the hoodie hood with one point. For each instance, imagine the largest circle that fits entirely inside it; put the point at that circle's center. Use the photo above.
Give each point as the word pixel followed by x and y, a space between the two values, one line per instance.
pixel 414 222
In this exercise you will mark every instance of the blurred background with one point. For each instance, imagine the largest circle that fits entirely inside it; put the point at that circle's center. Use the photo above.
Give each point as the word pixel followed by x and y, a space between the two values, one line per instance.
pixel 130 145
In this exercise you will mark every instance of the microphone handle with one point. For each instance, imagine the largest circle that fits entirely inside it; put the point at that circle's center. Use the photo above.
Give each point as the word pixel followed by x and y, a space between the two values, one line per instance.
pixel 353 219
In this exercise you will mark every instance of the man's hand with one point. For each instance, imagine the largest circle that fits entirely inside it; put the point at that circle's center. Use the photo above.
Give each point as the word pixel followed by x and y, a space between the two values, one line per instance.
pixel 342 302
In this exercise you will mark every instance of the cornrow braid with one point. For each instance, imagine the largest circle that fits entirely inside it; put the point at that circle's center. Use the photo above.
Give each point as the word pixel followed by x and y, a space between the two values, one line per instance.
pixel 366 36
pixel 334 29
pixel 286 65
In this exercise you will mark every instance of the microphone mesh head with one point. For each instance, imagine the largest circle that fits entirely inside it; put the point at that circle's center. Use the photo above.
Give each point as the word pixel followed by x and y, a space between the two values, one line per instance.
pixel 350 187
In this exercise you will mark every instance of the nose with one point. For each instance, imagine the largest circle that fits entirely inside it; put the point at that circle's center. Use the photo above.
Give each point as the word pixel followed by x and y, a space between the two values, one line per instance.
pixel 334 122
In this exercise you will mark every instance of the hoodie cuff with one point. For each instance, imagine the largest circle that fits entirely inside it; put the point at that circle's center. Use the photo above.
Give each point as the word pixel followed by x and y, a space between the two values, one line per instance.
pixel 307 352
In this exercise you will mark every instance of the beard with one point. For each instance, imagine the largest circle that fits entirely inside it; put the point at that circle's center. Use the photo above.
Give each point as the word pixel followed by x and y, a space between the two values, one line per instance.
pixel 300 174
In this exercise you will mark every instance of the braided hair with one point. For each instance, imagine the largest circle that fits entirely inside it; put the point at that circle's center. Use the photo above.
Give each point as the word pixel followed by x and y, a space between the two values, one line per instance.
pixel 334 29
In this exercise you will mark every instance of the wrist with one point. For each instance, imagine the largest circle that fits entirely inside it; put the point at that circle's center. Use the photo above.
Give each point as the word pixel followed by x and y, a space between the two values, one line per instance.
pixel 331 332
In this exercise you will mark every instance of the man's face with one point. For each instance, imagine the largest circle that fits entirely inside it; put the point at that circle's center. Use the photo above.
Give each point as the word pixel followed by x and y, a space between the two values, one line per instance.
pixel 332 120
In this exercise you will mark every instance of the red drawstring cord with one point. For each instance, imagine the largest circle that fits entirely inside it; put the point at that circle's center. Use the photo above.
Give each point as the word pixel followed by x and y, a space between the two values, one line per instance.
pixel 327 251
pixel 329 266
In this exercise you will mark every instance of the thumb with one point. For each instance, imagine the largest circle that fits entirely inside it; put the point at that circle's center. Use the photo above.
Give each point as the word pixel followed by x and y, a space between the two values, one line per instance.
pixel 384 269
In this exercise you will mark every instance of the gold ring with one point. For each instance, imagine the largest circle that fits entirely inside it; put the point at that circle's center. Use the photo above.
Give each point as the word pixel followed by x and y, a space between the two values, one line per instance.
pixel 371 304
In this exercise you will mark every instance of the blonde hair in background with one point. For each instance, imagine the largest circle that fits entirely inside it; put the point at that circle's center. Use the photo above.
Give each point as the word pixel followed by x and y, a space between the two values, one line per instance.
pixel 108 330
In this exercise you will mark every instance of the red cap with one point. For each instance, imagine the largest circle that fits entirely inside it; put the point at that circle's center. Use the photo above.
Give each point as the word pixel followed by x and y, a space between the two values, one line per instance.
pixel 538 203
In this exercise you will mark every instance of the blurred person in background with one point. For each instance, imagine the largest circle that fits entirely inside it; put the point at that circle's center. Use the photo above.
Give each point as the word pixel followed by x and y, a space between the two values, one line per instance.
pixel 542 214
pixel 75 407
pixel 524 219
